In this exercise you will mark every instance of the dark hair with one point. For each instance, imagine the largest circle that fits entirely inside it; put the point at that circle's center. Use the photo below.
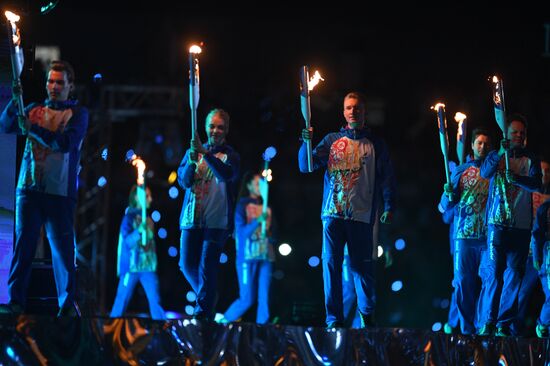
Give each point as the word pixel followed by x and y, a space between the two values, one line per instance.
pixel 516 117
pixel 62 66
pixel 248 176
pixel 356 95
pixel 480 131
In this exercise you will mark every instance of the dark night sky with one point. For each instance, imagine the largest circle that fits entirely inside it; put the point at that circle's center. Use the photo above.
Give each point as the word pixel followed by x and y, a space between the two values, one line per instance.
pixel 249 66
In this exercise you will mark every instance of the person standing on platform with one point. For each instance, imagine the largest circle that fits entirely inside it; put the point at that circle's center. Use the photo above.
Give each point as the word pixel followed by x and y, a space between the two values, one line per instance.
pixel 469 193
pixel 137 262
pixel 358 175
pixel 209 174
pixel 531 276
pixel 254 254
pixel 509 218
pixel 47 186
pixel 540 247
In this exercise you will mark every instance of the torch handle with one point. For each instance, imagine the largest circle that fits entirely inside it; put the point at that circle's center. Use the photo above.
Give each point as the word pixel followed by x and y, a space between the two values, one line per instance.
pixel 194 91
pixel 16 58
pixel 306 112
pixel 143 200
pixel 265 198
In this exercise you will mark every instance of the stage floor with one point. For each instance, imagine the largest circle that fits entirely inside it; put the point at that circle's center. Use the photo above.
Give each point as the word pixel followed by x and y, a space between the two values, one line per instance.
pixel 38 340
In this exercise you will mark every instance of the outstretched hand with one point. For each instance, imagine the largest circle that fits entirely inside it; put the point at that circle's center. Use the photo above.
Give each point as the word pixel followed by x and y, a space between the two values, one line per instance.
pixel 195 149
pixel 510 176
pixel 448 188
pixel 307 134
pixel 504 146
pixel 386 217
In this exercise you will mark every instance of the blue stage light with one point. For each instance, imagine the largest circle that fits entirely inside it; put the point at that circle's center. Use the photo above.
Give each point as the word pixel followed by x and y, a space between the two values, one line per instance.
pixel 173 251
pixel 173 192
pixel 101 181
pixel 162 233
pixel 155 216
pixel 313 261
pixel 400 244
pixel 396 286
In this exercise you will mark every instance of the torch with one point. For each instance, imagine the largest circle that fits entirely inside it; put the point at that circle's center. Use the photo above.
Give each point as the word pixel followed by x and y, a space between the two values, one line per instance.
pixel 307 85
pixel 500 110
pixel 17 61
pixel 194 93
pixel 268 154
pixel 141 192
pixel 460 118
pixel 439 108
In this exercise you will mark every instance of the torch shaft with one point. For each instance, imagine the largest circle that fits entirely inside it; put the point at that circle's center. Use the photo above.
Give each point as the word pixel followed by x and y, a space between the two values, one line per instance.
pixel 265 198
pixel 16 68
pixel 443 140
pixel 306 112
pixel 194 94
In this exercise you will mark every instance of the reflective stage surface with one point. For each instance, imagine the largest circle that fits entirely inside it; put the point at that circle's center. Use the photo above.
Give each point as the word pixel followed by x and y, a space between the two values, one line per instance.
pixel 36 340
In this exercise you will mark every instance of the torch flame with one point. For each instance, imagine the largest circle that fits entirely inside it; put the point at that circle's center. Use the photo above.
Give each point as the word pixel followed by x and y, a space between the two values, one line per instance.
pixel 460 117
pixel 437 106
pixel 140 165
pixel 314 80
pixel 195 49
pixel 12 17
pixel 495 79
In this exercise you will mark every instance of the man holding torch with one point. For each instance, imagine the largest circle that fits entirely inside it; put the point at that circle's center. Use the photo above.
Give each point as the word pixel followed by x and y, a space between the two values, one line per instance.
pixel 468 192
pixel 209 174
pixel 46 189
pixel 509 218
pixel 358 175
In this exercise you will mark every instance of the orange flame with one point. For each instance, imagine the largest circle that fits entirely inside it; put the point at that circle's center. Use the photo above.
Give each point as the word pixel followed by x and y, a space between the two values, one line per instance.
pixel 314 80
pixel 437 106
pixel 140 165
pixel 12 17
pixel 195 49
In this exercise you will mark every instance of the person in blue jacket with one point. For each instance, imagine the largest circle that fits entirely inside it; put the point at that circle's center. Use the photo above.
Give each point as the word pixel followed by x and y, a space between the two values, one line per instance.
pixel 209 175
pixel 469 193
pixel 137 263
pixel 531 276
pixel 509 218
pixel 358 175
pixel 540 247
pixel 47 186
pixel 254 254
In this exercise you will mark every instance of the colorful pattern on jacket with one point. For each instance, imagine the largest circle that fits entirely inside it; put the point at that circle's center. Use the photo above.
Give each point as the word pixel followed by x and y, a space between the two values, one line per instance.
pixel 469 218
pixel 205 192
pixel 133 256
pixel 358 174
pixel 257 247
pixel 210 186
pixel 540 237
pixel 52 149
pixel 510 205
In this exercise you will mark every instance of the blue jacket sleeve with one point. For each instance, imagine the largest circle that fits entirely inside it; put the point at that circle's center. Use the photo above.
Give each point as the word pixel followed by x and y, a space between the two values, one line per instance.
pixel 186 172
pixel 69 138
pixel 320 155
pixel 129 234
pixel 224 171
pixel 490 165
pixel 533 182
pixel 244 228
pixel 538 234
pixel 8 119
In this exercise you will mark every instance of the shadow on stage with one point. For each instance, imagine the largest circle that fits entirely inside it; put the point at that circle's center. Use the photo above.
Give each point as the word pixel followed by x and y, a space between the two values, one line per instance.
pixel 39 340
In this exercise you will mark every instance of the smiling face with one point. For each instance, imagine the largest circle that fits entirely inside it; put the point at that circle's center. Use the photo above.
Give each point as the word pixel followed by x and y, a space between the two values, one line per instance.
pixel 216 129
pixel 480 146
pixel 354 112
pixel 58 86
pixel 516 134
